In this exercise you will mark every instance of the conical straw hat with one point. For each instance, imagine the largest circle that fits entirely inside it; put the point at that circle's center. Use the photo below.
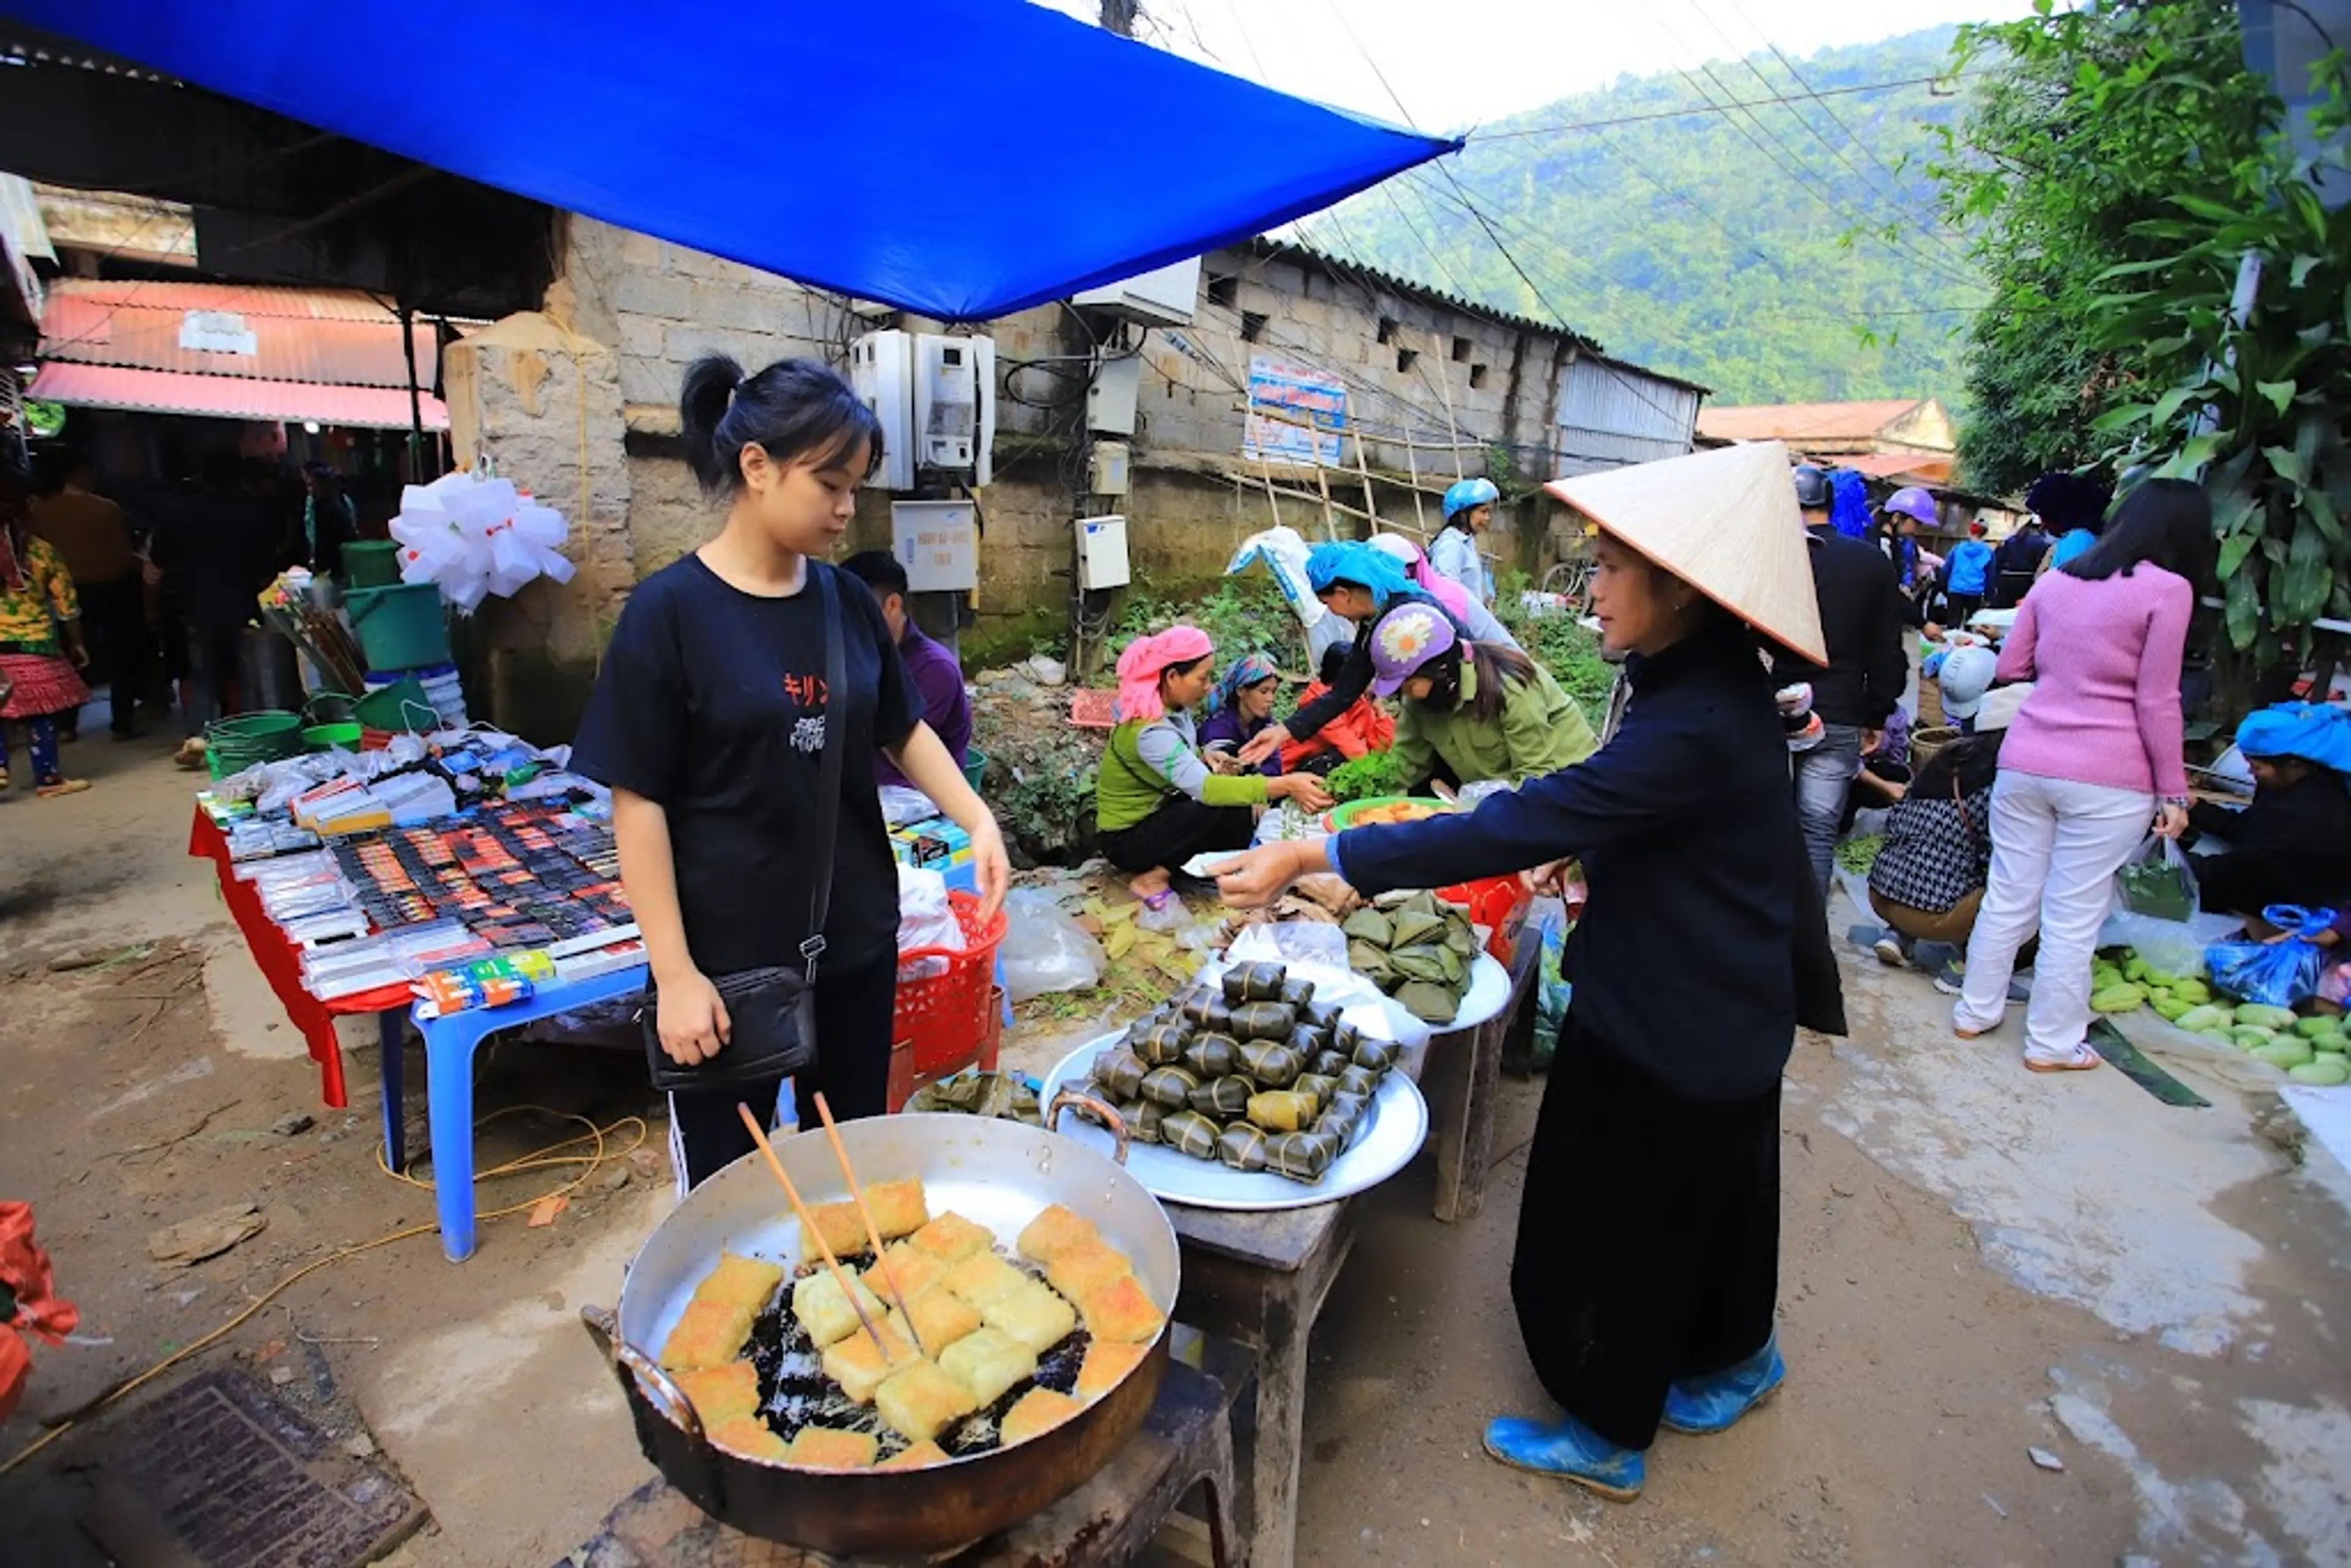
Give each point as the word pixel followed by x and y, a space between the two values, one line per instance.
pixel 1723 521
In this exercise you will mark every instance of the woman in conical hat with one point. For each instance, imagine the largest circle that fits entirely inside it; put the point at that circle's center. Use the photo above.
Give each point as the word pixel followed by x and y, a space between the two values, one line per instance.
pixel 1647 1257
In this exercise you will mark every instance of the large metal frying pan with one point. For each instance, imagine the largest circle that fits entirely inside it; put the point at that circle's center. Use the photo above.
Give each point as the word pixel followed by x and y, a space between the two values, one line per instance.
pixel 997 1173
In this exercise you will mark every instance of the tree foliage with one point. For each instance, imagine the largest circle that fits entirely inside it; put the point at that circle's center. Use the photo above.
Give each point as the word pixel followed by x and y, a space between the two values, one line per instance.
pixel 1789 252
pixel 2085 125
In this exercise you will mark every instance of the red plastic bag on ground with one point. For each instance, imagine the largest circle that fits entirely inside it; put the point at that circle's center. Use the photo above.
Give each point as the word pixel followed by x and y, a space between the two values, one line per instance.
pixel 28 1302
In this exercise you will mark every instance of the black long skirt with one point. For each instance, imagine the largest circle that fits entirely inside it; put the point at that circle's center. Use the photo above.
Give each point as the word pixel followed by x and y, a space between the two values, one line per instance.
pixel 1648 1237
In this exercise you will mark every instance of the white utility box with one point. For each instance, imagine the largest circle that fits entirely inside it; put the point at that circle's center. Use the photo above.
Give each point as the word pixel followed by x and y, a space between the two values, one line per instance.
pixel 1111 396
pixel 1102 553
pixel 938 544
pixel 881 369
pixel 1164 296
pixel 1107 468
pixel 955 404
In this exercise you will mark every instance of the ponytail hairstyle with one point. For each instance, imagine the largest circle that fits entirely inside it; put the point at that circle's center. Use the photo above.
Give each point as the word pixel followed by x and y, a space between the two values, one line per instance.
pixel 1496 664
pixel 797 411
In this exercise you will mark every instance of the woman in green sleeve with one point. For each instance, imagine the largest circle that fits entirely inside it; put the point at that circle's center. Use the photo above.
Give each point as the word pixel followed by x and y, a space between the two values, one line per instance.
pixel 1489 713
pixel 1157 803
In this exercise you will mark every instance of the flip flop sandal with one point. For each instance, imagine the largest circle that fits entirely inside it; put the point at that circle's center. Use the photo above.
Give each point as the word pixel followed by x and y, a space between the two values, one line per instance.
pixel 62 787
pixel 2084 1061
pixel 1159 901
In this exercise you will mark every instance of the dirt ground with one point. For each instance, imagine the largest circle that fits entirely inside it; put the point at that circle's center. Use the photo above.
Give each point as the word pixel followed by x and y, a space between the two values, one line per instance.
pixel 1977 1262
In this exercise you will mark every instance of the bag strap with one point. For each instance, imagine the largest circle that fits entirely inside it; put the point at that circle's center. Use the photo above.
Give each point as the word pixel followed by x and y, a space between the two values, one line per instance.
pixel 836 743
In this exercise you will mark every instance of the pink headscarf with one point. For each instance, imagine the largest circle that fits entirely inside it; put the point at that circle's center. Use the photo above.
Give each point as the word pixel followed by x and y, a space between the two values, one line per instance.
pixel 1427 578
pixel 1146 658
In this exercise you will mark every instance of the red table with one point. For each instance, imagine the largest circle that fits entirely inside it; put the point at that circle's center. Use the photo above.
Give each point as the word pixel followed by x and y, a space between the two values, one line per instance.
pixel 281 963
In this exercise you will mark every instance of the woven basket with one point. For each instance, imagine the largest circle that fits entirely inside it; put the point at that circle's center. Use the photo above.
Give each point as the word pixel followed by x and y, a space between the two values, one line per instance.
pixel 1930 701
pixel 1926 742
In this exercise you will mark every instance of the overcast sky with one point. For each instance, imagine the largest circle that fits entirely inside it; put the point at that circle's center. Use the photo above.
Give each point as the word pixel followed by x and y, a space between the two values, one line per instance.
pixel 1455 63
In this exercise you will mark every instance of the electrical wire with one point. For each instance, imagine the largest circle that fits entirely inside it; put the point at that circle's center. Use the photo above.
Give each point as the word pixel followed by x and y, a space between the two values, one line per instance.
pixel 1570 127
pixel 539 1159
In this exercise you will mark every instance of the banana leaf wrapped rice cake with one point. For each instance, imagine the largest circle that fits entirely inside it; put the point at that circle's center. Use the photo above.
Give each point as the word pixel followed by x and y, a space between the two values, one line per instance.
pixel 1255 983
pixel 1223 1098
pixel 1263 1020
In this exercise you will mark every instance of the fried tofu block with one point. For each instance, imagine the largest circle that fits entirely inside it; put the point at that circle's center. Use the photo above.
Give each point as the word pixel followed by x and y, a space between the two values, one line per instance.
pixel 1107 1366
pixel 899 1207
pixel 1084 1267
pixel 830 1449
pixel 915 1457
pixel 749 1436
pixel 951 1237
pixel 739 1280
pixel 860 1366
pixel 825 1311
pixel 1030 1313
pixel 842 1230
pixel 920 1400
pixel 914 1270
pixel 722 1393
pixel 990 1363
pixel 1121 1311
pixel 708 1334
pixel 1038 1410
pixel 1054 1232
pixel 981 1278
pixel 939 1320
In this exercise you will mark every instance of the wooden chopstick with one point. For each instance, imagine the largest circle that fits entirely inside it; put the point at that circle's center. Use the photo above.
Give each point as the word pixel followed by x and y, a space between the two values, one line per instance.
pixel 872 1231
pixel 808 1229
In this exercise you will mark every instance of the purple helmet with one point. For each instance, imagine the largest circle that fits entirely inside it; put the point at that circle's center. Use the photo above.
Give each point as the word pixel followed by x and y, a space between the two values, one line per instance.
pixel 1910 501
pixel 1407 637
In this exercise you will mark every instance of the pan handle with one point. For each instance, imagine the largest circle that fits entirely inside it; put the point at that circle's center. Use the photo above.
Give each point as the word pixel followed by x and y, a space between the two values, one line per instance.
pixel 1099 1109
pixel 657 1385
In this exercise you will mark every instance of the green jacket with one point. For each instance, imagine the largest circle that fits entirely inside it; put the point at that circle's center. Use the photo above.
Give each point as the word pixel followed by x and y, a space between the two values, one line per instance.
pixel 1540 731
pixel 1149 760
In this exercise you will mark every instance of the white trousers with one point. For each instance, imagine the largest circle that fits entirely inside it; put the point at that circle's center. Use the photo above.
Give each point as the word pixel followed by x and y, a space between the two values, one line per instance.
pixel 2055 848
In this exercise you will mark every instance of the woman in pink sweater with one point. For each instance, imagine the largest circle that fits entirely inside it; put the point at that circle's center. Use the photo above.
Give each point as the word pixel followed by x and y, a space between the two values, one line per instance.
pixel 2092 764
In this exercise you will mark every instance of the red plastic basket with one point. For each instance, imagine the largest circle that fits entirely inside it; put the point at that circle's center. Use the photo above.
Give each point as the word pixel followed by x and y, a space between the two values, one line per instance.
pixel 1500 902
pixel 945 1020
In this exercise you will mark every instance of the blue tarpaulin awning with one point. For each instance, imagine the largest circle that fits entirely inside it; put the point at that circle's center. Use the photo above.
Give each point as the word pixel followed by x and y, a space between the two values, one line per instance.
pixel 961 159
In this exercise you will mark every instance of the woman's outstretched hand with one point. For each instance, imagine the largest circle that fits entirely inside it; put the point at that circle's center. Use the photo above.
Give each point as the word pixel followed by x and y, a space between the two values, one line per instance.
pixel 1258 876
pixel 1263 744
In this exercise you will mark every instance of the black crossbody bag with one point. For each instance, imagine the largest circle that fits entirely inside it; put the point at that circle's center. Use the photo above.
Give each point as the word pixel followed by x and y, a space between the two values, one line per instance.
pixel 771 1011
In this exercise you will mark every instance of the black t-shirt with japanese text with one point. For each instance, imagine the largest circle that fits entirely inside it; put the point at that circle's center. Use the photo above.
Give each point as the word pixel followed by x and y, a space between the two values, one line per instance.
pixel 712 704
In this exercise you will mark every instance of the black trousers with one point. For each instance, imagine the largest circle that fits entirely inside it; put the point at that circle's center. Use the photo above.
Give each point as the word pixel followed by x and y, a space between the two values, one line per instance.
pixel 1959 607
pixel 854 1005
pixel 1180 829
pixel 114 616
pixel 1648 1237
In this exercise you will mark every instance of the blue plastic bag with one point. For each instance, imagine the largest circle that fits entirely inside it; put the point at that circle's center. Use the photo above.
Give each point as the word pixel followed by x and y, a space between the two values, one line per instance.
pixel 2274 974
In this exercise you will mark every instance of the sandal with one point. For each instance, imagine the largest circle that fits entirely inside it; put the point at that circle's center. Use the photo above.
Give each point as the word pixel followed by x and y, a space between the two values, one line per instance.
pixel 2082 1060
pixel 61 787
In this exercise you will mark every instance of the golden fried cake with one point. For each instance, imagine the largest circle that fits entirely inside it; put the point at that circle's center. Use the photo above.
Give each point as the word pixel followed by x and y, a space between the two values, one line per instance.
pixel 860 1366
pixel 920 1400
pixel 737 1278
pixel 830 1449
pixel 939 1319
pixel 840 1226
pixel 990 1363
pixel 898 1208
pixel 915 1457
pixel 981 1278
pixel 708 1334
pixel 1030 1313
pixel 1054 1232
pixel 1120 1311
pixel 1107 1366
pixel 825 1312
pixel 749 1436
pixel 951 1237
pixel 1085 1267
pixel 1038 1410
pixel 722 1393
pixel 914 1270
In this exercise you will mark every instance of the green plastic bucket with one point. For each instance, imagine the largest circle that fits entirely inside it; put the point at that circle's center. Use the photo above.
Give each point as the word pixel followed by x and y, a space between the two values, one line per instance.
pixel 371 563
pixel 327 737
pixel 402 705
pixel 974 763
pixel 401 627
pixel 234 745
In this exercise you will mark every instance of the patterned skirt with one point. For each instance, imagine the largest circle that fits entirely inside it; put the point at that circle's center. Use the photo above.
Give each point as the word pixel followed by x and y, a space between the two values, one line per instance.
pixel 42 683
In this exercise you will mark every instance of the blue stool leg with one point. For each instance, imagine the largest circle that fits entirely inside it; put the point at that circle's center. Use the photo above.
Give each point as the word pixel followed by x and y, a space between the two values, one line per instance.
pixel 449 1045
pixel 390 1034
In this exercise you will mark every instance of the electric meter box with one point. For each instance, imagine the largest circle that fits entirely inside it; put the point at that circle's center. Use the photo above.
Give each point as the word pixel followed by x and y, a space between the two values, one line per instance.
pixel 1111 396
pixel 882 369
pixel 1164 296
pixel 955 404
pixel 1102 553
pixel 1107 466
pixel 938 544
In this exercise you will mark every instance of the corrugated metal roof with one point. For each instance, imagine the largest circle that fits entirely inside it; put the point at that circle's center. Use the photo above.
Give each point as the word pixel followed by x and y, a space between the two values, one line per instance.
pixel 335 337
pixel 1803 421
pixel 232 397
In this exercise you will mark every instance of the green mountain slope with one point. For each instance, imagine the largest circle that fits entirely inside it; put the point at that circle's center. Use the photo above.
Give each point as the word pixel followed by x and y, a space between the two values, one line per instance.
pixel 1711 245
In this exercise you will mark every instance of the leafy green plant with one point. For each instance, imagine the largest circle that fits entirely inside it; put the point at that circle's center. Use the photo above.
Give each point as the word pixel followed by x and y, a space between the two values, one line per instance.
pixel 1242 615
pixel 1560 644
pixel 1048 811
pixel 1368 778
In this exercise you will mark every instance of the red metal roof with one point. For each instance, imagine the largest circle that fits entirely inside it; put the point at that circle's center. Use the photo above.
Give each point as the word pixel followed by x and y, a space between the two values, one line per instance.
pixel 1802 422
pixel 232 397
pixel 336 337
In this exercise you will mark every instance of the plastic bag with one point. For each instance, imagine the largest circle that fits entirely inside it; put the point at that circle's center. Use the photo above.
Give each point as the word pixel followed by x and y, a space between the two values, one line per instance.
pixel 1548 923
pixel 2175 946
pixel 1290 942
pixel 925 919
pixel 1044 949
pixel 2275 974
pixel 2156 881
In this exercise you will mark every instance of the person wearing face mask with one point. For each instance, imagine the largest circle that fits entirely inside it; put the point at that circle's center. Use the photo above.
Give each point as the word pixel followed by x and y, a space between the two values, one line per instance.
pixel 717 722
pixel 1490 714
pixel 1157 802
pixel 1646 1266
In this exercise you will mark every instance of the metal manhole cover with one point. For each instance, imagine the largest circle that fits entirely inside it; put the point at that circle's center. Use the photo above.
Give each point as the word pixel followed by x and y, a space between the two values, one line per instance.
pixel 219 1474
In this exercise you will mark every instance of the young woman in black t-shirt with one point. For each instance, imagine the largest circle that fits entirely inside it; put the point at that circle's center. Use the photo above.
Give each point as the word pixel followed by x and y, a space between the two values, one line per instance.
pixel 709 720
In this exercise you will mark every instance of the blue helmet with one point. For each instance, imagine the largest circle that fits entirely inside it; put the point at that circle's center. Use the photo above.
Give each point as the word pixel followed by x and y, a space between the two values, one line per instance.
pixel 1468 493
